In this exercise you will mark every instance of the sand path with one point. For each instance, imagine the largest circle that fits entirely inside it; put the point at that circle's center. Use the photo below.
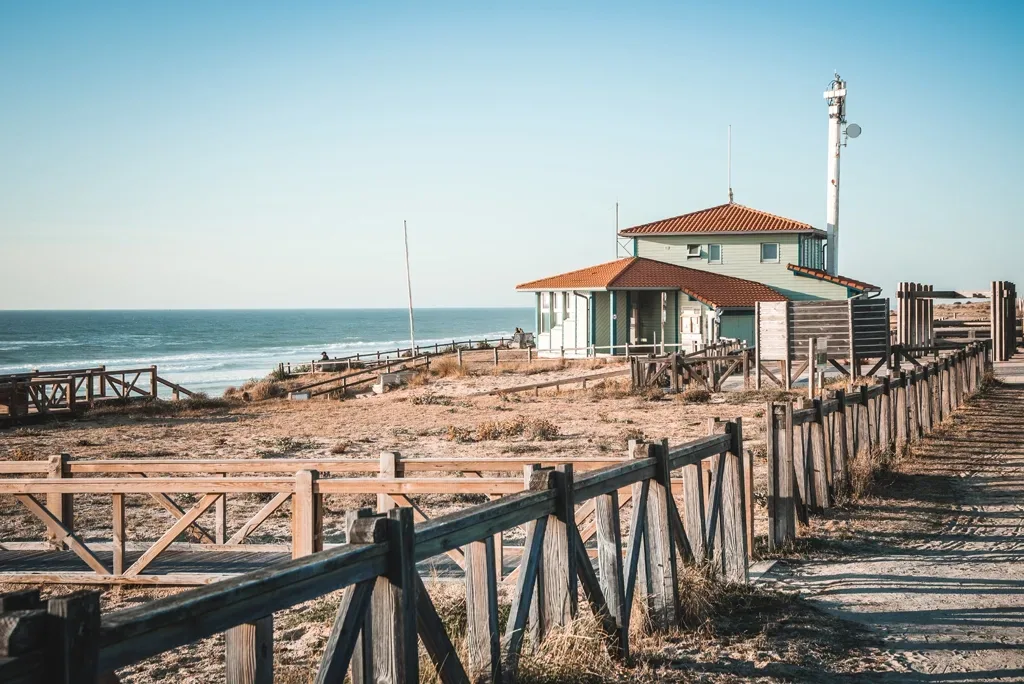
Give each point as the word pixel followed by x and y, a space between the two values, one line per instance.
pixel 937 563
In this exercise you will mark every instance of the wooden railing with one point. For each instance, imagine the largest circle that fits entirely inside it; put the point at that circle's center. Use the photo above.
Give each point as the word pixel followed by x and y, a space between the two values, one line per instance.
pixel 710 367
pixel 376 358
pixel 65 391
pixel 217 478
pixel 383 589
pixel 810 448
pixel 357 378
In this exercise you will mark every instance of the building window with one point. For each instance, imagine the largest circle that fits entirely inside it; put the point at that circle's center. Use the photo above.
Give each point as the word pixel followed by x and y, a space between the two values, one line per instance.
pixel 545 312
pixel 769 252
pixel 566 304
pixel 693 251
pixel 714 254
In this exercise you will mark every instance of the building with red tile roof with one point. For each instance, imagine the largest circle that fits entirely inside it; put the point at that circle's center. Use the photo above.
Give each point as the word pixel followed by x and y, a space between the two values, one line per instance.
pixel 691 279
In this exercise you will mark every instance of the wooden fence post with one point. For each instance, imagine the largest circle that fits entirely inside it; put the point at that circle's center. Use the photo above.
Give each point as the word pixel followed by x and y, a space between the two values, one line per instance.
pixel 495 357
pixel 395 649
pixel 73 638
pixel 609 565
pixel 885 415
pixel 550 606
pixel 864 423
pixel 819 461
pixel 153 389
pixel 840 446
pixel 118 528
pixel 730 549
pixel 61 505
pixel 249 652
pixel 781 507
pixel 483 638
pixel 220 517
pixel 103 381
pixel 902 412
pixel 307 515
pixel 662 576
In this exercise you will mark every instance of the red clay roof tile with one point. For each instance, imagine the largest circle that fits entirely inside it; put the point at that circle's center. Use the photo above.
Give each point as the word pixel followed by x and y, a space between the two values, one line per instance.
pixel 837 279
pixel 713 289
pixel 725 218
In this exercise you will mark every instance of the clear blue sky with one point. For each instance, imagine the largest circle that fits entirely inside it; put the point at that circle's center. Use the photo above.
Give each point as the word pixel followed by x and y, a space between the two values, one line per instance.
pixel 193 154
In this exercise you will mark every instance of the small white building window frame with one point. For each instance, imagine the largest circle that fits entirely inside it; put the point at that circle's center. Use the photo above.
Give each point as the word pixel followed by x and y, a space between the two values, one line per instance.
pixel 693 251
pixel 714 254
pixel 769 252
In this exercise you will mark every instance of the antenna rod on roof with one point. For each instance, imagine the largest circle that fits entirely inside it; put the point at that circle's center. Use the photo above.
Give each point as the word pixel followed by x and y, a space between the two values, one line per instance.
pixel 729 163
pixel 616 230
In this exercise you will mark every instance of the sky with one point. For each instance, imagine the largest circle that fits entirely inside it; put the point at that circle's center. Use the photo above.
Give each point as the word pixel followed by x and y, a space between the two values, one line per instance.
pixel 264 155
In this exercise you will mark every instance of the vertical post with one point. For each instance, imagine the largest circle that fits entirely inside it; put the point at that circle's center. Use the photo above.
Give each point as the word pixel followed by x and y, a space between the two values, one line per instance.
pixel 781 478
pixel 483 639
pixel 458 353
pixel 61 505
pixel 390 469
pixel 812 364
pixel 495 357
pixel 103 381
pixel 307 515
pixel 609 565
pixel 73 638
pixel 550 605
pixel 864 423
pixel 730 549
pixel 840 447
pixel 854 361
pixel 90 390
pixel 885 415
pixel 903 412
pixel 362 654
pixel 220 517
pixel 249 652
pixel 152 382
pixel 118 533
pixel 393 607
pixel 663 600
pixel 757 347
pixel 819 465
pixel 694 508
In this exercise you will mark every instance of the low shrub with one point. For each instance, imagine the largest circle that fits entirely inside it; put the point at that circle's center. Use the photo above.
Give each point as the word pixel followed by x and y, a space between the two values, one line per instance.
pixel 432 399
pixel 543 429
pixel 454 433
pixel 695 394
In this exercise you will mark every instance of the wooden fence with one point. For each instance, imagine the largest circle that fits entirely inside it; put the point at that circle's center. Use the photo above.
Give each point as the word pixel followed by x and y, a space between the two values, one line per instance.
pixel 917 329
pixel 377 358
pixel 709 367
pixel 386 605
pixel 810 448
pixel 65 391
pixel 850 331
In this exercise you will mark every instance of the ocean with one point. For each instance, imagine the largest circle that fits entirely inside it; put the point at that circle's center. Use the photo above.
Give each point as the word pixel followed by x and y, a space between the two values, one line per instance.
pixel 209 350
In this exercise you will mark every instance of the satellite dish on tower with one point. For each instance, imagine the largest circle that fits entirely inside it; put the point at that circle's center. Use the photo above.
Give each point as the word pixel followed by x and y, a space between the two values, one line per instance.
pixel 853 130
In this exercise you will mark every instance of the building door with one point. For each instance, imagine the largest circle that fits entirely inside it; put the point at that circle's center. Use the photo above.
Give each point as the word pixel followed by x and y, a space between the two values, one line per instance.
pixel 690 328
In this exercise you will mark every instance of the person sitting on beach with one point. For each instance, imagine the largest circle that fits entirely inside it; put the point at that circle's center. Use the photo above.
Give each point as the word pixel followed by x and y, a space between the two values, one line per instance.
pixel 324 356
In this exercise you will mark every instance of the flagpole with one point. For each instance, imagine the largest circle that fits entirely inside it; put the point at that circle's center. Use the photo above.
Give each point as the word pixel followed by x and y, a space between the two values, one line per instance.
pixel 408 281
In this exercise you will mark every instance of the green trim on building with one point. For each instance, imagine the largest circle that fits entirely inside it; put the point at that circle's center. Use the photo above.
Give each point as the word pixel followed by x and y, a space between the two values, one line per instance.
pixel 613 337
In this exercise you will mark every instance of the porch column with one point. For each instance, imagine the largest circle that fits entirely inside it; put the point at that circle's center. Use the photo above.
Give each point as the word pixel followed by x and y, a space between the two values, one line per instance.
pixel 537 316
pixel 592 310
pixel 614 336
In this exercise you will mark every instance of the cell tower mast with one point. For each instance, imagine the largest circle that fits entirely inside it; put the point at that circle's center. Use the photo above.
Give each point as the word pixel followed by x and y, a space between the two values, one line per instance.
pixel 836 98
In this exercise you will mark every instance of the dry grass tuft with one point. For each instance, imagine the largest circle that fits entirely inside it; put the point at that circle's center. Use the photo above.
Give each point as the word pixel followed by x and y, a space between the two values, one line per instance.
pixel 262 390
pixel 419 379
pixel 542 429
pixel 23 454
pixel 454 433
pixel 694 394
pixel 432 399
pixel 339 448
pixel 448 367
pixel 632 433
